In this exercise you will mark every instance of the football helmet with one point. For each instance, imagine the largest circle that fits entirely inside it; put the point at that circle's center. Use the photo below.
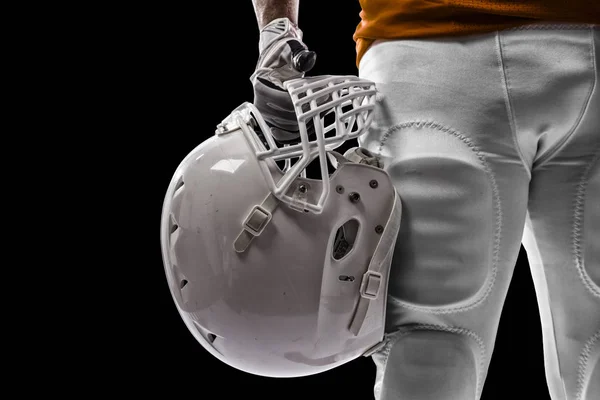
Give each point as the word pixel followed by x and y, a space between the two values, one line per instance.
pixel 275 273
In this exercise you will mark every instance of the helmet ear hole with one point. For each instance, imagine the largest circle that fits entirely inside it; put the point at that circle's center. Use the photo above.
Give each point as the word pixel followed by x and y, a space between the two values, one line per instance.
pixel 345 238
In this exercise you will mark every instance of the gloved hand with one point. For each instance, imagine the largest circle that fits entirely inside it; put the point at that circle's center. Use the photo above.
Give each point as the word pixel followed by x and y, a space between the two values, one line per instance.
pixel 283 56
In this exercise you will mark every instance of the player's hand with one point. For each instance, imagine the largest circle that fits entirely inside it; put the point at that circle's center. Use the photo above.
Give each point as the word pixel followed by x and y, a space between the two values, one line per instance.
pixel 283 56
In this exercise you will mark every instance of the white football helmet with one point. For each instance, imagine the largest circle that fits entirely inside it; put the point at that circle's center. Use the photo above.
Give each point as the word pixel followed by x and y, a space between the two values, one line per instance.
pixel 274 273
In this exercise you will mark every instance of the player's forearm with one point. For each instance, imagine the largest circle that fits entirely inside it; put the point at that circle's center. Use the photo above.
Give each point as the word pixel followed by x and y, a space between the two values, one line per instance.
pixel 268 10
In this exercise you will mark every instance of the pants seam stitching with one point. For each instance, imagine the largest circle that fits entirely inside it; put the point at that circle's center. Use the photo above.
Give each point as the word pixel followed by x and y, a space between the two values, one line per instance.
pixel 551 153
pixel 507 100
pixel 578 228
pixel 583 363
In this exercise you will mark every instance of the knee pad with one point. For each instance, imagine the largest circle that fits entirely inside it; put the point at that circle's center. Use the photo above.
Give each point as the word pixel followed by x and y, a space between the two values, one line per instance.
pixel 425 364
pixel 446 252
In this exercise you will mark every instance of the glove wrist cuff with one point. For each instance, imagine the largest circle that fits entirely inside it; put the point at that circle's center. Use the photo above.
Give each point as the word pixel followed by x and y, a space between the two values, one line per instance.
pixel 276 30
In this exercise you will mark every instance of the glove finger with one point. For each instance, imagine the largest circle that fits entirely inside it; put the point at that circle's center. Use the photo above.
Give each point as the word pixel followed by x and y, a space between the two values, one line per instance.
pixel 275 105
pixel 285 137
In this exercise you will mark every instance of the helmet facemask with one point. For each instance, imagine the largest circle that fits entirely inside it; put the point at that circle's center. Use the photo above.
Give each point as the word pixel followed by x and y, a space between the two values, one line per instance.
pixel 330 109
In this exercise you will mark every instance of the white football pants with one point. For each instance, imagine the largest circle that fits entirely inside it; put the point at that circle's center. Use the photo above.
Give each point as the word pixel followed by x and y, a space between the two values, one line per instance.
pixel 491 140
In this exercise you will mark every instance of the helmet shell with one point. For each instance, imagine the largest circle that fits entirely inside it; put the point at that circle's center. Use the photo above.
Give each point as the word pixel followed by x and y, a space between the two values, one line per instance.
pixel 282 307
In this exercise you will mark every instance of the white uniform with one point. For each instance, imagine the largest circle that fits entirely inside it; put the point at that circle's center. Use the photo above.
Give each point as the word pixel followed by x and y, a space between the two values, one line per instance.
pixel 492 140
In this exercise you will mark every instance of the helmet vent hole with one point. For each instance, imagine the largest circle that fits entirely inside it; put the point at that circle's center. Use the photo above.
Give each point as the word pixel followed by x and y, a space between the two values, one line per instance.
pixel 183 283
pixel 345 237
pixel 179 184
pixel 211 337
pixel 173 228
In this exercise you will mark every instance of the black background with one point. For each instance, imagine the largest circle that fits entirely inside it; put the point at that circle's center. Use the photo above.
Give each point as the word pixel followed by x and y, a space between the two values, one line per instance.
pixel 183 69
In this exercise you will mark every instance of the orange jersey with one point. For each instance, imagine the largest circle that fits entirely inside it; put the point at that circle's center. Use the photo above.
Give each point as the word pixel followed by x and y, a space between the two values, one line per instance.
pixel 405 19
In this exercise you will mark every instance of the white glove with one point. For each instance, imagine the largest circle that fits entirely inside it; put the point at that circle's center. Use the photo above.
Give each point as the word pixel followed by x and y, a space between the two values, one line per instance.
pixel 283 56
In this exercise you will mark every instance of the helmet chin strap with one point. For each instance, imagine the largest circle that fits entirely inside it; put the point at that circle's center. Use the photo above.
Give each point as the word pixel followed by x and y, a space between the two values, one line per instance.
pixel 371 286
pixel 256 222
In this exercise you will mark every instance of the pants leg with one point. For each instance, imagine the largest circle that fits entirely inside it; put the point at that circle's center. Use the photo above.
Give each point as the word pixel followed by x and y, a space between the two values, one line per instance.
pixel 562 234
pixel 444 132
pixel 453 141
